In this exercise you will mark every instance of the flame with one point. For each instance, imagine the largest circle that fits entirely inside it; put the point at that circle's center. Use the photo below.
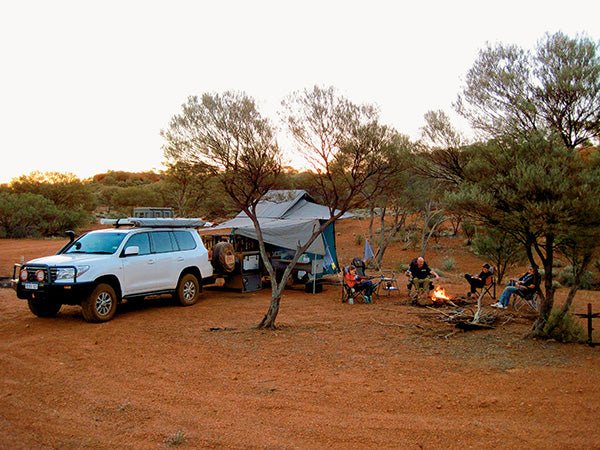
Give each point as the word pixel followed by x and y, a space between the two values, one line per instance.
pixel 439 295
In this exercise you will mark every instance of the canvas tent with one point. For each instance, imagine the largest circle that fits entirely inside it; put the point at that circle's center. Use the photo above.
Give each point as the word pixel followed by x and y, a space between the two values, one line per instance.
pixel 288 218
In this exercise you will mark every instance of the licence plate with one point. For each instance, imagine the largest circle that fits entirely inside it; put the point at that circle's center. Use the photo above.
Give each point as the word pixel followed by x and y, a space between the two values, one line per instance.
pixel 31 286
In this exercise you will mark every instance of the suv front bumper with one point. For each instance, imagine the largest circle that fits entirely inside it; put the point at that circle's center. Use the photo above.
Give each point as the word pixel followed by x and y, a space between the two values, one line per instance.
pixel 68 294
pixel 65 293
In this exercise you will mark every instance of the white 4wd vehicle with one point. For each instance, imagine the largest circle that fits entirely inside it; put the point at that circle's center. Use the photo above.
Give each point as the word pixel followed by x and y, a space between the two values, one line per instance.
pixel 101 268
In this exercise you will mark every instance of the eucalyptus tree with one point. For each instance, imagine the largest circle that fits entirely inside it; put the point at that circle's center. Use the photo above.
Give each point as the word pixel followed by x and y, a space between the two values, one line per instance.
pixel 389 207
pixel 541 193
pixel 184 185
pixel 441 150
pixel 533 180
pixel 226 132
pixel 555 89
pixel 351 154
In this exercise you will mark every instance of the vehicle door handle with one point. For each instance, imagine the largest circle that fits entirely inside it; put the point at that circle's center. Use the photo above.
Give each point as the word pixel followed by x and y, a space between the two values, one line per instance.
pixel 180 258
pixel 150 261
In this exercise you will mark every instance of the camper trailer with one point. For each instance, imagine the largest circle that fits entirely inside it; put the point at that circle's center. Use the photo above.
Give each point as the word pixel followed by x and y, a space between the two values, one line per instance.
pixel 287 218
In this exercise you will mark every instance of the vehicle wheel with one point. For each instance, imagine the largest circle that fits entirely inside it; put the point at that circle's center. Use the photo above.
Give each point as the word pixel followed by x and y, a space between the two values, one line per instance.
pixel 188 290
pixel 44 308
pixel 223 259
pixel 100 305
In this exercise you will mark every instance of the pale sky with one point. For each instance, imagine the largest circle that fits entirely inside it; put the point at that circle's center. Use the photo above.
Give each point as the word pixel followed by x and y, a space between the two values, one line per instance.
pixel 86 86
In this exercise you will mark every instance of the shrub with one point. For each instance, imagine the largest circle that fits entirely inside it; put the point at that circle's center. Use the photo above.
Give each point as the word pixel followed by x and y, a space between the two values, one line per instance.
pixel 558 263
pixel 448 263
pixel 439 272
pixel 567 276
pixel 564 329
pixel 402 267
pixel 175 439
pixel 414 240
pixel 359 239
pixel 32 215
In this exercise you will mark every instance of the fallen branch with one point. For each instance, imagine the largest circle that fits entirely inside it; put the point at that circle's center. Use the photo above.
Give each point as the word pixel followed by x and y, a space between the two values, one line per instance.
pixel 450 334
pixel 437 310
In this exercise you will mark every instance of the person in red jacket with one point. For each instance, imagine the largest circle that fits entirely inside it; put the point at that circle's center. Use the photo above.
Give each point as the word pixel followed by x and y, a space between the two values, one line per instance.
pixel 359 283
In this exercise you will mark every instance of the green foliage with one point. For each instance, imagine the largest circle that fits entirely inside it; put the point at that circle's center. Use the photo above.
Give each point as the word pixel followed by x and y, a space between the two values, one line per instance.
pixel 65 190
pixel 359 239
pixel 499 248
pixel 564 327
pixel 535 190
pixel 413 240
pixel 32 215
pixel 402 267
pixel 448 263
pixel 566 277
pixel 556 88
pixel 125 179
pixel 227 134
pixel 469 229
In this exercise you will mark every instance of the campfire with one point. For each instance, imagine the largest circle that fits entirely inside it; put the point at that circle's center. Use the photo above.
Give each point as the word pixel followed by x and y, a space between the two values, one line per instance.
pixel 438 296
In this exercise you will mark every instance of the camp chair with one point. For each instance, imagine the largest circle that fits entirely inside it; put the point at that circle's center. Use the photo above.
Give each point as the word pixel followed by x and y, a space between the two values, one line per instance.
pixel 526 299
pixel 489 288
pixel 385 281
pixel 350 294
pixel 360 267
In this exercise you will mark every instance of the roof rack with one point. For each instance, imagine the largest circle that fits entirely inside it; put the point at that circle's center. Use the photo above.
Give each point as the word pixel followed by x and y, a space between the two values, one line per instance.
pixel 155 222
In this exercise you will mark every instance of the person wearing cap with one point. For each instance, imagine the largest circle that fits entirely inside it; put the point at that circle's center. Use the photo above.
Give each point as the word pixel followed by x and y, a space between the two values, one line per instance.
pixel 478 281
pixel 527 284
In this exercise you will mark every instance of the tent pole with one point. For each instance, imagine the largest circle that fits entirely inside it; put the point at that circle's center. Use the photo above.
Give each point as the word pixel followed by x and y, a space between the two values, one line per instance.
pixel 314 276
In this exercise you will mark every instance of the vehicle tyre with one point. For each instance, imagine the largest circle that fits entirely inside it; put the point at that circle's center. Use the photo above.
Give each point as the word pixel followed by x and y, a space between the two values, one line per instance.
pixel 44 308
pixel 188 290
pixel 223 258
pixel 100 305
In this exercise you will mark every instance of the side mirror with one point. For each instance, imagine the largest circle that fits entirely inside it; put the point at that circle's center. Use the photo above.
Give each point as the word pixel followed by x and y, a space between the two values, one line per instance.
pixel 130 251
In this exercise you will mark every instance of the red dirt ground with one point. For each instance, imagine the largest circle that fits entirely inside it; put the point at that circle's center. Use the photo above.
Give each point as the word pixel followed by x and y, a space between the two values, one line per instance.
pixel 386 375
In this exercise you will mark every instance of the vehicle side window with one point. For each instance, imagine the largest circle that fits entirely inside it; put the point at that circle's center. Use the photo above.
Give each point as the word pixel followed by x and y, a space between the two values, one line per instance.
pixel 185 240
pixel 161 242
pixel 142 241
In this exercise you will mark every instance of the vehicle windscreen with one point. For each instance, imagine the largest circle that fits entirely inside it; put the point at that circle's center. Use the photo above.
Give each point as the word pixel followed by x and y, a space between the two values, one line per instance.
pixel 97 243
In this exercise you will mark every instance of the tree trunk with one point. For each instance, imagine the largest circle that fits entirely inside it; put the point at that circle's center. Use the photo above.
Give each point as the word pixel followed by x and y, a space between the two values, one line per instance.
pixel 547 301
pixel 573 291
pixel 268 322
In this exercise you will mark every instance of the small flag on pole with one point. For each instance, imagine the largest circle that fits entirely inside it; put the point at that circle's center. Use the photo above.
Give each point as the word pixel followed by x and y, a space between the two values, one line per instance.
pixel 368 254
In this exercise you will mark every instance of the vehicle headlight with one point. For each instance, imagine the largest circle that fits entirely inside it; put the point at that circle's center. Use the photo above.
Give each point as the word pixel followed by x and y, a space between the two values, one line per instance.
pixel 68 273
pixel 65 273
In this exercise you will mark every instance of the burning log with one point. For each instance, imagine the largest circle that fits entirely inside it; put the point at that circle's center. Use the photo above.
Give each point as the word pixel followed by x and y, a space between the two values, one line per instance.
pixel 439 295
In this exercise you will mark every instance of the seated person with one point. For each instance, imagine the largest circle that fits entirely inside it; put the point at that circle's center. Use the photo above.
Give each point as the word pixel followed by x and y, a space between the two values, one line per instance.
pixel 526 285
pixel 478 281
pixel 358 283
pixel 418 271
